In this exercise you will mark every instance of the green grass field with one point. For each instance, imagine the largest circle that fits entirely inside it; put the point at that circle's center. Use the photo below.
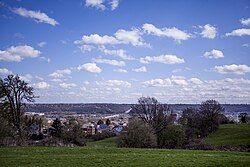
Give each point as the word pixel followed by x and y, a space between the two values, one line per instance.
pixel 106 153
pixel 230 134
pixel 89 156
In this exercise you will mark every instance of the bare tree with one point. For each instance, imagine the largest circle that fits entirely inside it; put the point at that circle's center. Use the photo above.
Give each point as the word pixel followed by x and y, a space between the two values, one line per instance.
pixel 14 94
pixel 152 112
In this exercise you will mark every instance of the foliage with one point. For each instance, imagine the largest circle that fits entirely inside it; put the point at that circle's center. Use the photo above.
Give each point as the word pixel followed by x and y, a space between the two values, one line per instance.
pixel 173 136
pixel 138 134
pixel 58 127
pixel 103 135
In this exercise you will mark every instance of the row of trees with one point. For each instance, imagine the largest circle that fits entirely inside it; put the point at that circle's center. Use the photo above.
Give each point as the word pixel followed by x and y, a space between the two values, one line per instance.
pixel 153 125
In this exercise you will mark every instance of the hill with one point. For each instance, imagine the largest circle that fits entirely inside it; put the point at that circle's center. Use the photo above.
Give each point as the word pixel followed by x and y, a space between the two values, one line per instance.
pixel 230 134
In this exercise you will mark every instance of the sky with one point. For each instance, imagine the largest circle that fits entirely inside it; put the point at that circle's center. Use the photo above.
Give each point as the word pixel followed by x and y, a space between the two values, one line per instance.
pixel 116 51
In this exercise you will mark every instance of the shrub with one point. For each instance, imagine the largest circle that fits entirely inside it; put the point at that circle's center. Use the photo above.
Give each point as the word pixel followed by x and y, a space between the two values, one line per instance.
pixel 173 136
pixel 138 134
pixel 103 135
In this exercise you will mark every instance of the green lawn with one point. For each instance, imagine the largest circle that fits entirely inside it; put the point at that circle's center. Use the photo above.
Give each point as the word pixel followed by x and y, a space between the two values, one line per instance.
pixel 230 134
pixel 109 142
pixel 87 156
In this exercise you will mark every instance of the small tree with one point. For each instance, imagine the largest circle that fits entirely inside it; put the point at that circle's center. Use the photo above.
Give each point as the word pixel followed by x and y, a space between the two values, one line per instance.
pixel 243 117
pixel 138 134
pixel 108 122
pixel 14 94
pixel 173 136
pixel 58 127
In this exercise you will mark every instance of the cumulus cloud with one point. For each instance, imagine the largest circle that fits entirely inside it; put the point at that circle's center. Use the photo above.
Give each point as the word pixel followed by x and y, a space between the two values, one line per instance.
pixel 195 81
pixel 67 85
pixel 60 73
pixel 110 62
pixel 174 33
pixel 213 54
pixel 119 53
pixel 42 85
pixel 89 67
pixel 245 22
pixel 37 15
pixel 232 69
pixel 114 83
pixel 141 69
pixel 26 78
pixel 208 31
pixel 121 36
pixel 166 59
pixel 121 70
pixel 114 4
pixel 239 32
pixel 18 53
pixel 100 4
pixel 157 82
pixel 5 71
pixel 41 44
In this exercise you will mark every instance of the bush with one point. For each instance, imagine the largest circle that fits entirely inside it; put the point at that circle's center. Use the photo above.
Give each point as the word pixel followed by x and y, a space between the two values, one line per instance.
pixel 103 135
pixel 173 136
pixel 138 134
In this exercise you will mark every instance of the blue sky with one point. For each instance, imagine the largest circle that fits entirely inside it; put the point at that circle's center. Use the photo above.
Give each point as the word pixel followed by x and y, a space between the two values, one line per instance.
pixel 119 50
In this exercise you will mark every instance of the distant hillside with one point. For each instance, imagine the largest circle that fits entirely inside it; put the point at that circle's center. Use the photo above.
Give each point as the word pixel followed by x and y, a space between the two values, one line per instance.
pixel 110 108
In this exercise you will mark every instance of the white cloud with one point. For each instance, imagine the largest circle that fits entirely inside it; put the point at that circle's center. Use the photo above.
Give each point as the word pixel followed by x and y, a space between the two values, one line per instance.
pixel 233 69
pixel 95 3
pixel 18 53
pixel 60 73
pixel 208 31
pixel 196 81
pixel 246 45
pixel 110 62
pixel 41 44
pixel 173 32
pixel 179 80
pixel 37 15
pixel 114 83
pixel 214 54
pixel 26 78
pixel 90 67
pixel 114 4
pixel 100 4
pixel 119 53
pixel 239 32
pixel 42 85
pixel 166 59
pixel 141 69
pixel 133 37
pixel 86 48
pixel 245 22
pixel 121 70
pixel 67 85
pixel 158 83
pixel 5 71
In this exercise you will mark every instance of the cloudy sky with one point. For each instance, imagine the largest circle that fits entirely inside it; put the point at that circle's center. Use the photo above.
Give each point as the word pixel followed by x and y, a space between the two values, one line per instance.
pixel 119 50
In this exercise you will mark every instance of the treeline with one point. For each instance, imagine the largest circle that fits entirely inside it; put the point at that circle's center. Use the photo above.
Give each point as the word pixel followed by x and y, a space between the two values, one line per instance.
pixel 154 126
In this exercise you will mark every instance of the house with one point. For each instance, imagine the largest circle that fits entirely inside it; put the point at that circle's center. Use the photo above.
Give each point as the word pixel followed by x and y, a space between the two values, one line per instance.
pixel 89 128
pixel 101 128
pixel 118 129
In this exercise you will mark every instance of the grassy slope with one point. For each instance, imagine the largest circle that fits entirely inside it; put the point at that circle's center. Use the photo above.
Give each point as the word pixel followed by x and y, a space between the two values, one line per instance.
pixel 62 156
pixel 109 142
pixel 231 134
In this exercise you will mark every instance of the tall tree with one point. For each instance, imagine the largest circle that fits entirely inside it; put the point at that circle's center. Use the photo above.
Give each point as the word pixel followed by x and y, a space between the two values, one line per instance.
pixel 14 94
pixel 210 111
